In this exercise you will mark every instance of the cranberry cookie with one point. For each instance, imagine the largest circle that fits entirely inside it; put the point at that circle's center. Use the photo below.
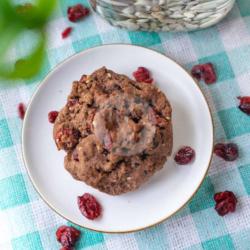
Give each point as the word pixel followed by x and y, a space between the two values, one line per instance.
pixel 117 132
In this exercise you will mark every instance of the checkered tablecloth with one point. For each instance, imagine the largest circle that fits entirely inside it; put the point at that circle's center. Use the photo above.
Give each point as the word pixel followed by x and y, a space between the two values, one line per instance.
pixel 27 223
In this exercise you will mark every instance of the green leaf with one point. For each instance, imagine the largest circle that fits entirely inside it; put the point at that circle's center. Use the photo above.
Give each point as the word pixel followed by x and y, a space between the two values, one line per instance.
pixel 28 66
pixel 46 7
pixel 8 36
pixel 7 11
pixel 37 15
pixel 15 21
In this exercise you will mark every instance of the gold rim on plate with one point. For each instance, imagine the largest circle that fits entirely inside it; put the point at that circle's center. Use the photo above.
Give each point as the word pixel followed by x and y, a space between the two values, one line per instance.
pixel 36 187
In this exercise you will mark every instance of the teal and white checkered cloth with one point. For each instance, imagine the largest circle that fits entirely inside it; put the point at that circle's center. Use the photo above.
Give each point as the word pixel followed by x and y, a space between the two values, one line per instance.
pixel 26 222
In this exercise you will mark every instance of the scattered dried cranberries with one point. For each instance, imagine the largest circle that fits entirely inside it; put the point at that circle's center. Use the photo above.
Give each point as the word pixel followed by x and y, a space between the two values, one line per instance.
pixel 245 104
pixel 67 236
pixel 21 110
pixel 142 75
pixel 228 152
pixel 77 12
pixel 52 115
pixel 89 206
pixel 66 32
pixel 225 202
pixel 184 156
pixel 205 72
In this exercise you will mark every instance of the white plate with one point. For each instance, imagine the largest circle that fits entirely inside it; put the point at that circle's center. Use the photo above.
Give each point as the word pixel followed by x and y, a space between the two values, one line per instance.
pixel 168 191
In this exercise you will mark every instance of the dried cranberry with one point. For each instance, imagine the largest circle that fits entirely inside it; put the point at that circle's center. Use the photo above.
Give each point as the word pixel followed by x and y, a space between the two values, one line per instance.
pixel 245 104
pixel 142 75
pixel 204 71
pixel 52 115
pixel 89 206
pixel 77 12
pixel 228 152
pixel 225 202
pixel 71 102
pixel 66 32
pixel 67 236
pixel 21 110
pixel 184 156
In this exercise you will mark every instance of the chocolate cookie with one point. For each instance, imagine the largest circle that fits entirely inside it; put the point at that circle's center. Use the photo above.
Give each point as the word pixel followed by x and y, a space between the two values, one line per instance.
pixel 116 132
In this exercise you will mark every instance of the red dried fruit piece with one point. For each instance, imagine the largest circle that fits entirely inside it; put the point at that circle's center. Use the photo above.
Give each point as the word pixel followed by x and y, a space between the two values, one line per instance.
pixel 21 110
pixel 204 71
pixel 66 32
pixel 245 104
pixel 77 12
pixel 72 102
pixel 184 156
pixel 89 206
pixel 142 75
pixel 67 236
pixel 225 202
pixel 228 152
pixel 52 115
